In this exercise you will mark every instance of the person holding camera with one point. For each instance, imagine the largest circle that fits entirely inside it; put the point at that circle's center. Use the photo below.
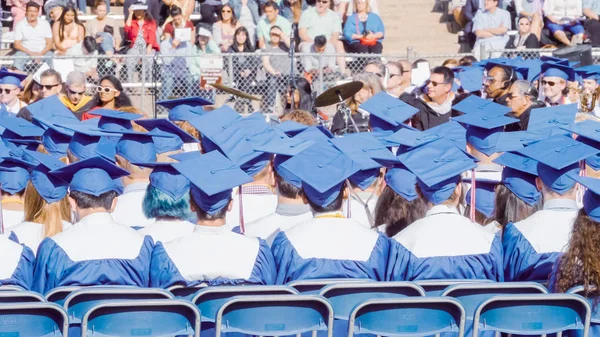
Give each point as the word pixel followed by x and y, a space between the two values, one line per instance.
pixel 364 30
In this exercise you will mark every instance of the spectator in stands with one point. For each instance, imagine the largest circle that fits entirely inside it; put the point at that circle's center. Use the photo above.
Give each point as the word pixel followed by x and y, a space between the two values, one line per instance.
pixel 186 9
pixel 303 99
pixel 18 9
pixel 247 14
pixel 159 10
pixel 526 39
pixel 88 64
pixel 104 29
pixel 498 81
pixel 435 106
pixel 491 26
pixel 272 18
pixel 467 61
pixel 532 9
pixel 469 11
pixel 209 12
pixel 74 97
pixel 457 8
pixel 321 21
pixel 364 30
pixel 224 29
pixel 371 86
pixel 178 22
pixel 109 95
pixel 591 9
pixel 10 90
pixel 277 66
pixel 564 16
pixel 244 67
pixel 313 64
pixel 204 45
pixel 33 38
pixel 54 9
pixel 67 31
pixel 292 9
pixel 522 97
pixel 351 8
pixel 140 31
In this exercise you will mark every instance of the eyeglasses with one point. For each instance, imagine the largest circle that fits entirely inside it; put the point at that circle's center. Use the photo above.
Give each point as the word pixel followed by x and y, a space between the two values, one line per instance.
pixel 395 75
pixel 73 92
pixel 105 90
pixel 549 83
pixel 6 91
pixel 226 11
pixel 434 83
pixel 49 87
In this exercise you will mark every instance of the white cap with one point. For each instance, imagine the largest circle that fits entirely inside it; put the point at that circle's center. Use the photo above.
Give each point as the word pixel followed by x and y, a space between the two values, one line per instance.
pixel 204 32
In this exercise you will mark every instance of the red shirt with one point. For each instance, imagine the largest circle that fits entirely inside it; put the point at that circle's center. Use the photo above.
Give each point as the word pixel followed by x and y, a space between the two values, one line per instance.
pixel 148 31
pixel 170 29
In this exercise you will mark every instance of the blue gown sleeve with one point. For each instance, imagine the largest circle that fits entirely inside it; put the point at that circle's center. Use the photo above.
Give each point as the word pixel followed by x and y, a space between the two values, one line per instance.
pixel 283 253
pixel 163 272
pixel 13 237
pixel 497 258
pixel 380 257
pixel 521 261
pixel 48 266
pixel 399 262
pixel 264 271
pixel 237 230
pixel 23 274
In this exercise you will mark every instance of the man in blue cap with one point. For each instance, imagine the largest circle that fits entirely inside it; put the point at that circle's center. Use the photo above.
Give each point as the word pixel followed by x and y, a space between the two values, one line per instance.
pixel 444 244
pixel 314 248
pixel 212 254
pixel 533 245
pixel 554 83
pixel 10 88
pixel 95 250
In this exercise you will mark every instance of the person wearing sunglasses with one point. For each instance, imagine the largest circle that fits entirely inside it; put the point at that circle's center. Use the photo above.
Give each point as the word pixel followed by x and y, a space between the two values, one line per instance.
pixel 526 39
pixel 10 88
pixel 554 83
pixel 224 29
pixel 591 10
pixel 109 95
pixel 522 98
pixel 490 26
pixel 74 97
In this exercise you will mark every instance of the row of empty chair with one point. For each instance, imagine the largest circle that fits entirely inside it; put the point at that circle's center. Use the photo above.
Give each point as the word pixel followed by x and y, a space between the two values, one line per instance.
pixel 317 307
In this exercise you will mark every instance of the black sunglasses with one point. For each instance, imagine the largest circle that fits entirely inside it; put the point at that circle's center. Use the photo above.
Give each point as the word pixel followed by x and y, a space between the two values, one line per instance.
pixel 73 92
pixel 434 83
pixel 550 83
pixel 49 87
pixel 6 91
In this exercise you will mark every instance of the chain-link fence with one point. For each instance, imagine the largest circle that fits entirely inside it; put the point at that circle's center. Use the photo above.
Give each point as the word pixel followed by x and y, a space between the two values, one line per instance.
pixel 533 53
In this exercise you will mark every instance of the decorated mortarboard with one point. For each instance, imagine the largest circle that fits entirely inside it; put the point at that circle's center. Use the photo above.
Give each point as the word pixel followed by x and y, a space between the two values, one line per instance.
pixel 475 104
pixel 558 156
pixel 9 77
pixel 165 178
pixel 558 70
pixel 51 109
pixel 485 196
pixel 115 120
pixel 551 119
pixel 323 169
pixel 47 185
pixel 403 182
pixel 212 176
pixel 290 128
pixel 94 176
pixel 519 175
pixel 484 128
pixel 438 166
pixel 174 138
pixel 283 150
pixel 471 78
pixel 387 112
pixel 591 198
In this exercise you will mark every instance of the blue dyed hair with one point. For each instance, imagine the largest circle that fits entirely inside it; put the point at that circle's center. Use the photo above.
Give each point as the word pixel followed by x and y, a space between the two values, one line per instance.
pixel 157 204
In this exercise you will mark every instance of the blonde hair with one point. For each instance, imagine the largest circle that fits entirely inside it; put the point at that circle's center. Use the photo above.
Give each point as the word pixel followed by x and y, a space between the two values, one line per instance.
pixel 299 116
pixel 135 172
pixel 50 215
pixel 367 9
pixel 187 127
pixel 369 81
pixel 136 111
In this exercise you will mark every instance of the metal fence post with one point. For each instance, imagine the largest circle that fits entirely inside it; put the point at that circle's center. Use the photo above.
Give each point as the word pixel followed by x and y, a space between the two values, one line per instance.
pixel 409 54
pixel 320 74
pixel 230 66
pixel 482 55
pixel 143 81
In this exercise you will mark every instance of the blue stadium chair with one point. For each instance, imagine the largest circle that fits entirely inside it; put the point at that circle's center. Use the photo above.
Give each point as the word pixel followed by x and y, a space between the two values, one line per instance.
pixel 33 320
pixel 150 318
pixel 313 287
pixel 20 297
pixel 408 317
pixel 436 287
pixel 180 291
pixel 58 295
pixel 533 314
pixel 595 319
pixel 275 315
pixel 11 288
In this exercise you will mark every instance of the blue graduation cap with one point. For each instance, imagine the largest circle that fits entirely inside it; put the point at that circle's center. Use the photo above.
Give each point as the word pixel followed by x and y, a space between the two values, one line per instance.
pixel 558 70
pixel 283 150
pixel 534 68
pixel 189 101
pixel 519 175
pixel 184 109
pixel 114 120
pixel 55 139
pixel 438 166
pixel 403 182
pixel 484 128
pixel 474 104
pixel 14 173
pixel 322 169
pixel 555 60
pixel 471 78
pixel 313 133
pixel 387 112
pixel 485 196
pixel 558 156
pixel 382 136
pixel 183 156
pixel 165 178
pixel 19 130
pixel 411 138
pixel 215 121
pixel 85 140
pixel 137 147
pixel 291 128
pixel 451 131
pixel 589 134
pixel 9 77
pixel 94 176
pixel 591 198
pixel 174 138
pixel 551 118
pixel 212 177
pixel 516 140
pixel 48 186
pixel 53 110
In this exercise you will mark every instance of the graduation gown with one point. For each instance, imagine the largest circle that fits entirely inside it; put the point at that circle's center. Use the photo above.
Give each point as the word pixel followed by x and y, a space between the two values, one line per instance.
pixel 533 245
pixel 212 255
pixel 255 206
pixel 94 251
pixel 328 246
pixel 285 217
pixel 31 234
pixel 129 211
pixel 17 263
pixel 356 211
pixel 165 231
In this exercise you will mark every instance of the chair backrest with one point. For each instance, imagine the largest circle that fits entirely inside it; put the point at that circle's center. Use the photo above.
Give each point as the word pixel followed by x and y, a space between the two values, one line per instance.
pixel 20 297
pixel 470 295
pixel 436 287
pixel 533 314
pixel 275 315
pixel 11 288
pixel 141 318
pixel 33 319
pixel 180 291
pixel 209 300
pixel 81 300
pixel 313 287
pixel 345 296
pixel 58 295
pixel 409 316
pixel 579 290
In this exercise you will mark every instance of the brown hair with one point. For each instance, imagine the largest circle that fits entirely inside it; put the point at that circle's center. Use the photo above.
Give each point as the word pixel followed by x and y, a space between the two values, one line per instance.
pixel 450 63
pixel 580 264
pixel 50 215
pixel 134 110
pixel 98 3
pixel 397 213
pixel 369 81
pixel 299 116
pixel 187 127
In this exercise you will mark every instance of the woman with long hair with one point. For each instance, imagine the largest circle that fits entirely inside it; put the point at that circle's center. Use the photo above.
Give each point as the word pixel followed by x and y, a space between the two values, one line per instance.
pixel 225 29
pixel 244 67
pixel 47 209
pixel 110 94
pixel 364 30
pixel 399 204
pixel 371 86
pixel 303 99
pixel 67 31
pixel 140 31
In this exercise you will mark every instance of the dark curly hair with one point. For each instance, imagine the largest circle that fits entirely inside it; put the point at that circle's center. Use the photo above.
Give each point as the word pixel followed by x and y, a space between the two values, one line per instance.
pixel 396 212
